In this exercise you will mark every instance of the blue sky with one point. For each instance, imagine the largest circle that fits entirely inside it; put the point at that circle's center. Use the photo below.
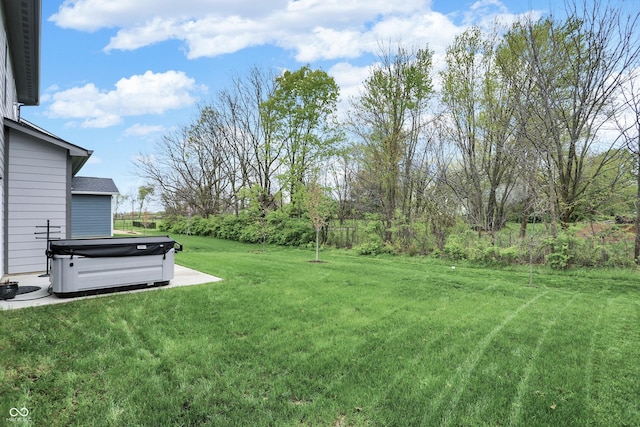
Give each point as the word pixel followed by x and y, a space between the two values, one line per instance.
pixel 117 75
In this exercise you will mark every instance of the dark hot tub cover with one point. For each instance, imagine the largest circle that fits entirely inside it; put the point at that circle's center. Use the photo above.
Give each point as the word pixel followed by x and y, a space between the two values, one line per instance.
pixel 113 247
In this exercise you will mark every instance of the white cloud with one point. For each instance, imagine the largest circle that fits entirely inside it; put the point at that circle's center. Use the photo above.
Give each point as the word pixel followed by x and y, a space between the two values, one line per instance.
pixel 313 29
pixel 144 130
pixel 487 13
pixel 149 93
pixel 349 78
pixel 92 15
pixel 151 32
pixel 328 43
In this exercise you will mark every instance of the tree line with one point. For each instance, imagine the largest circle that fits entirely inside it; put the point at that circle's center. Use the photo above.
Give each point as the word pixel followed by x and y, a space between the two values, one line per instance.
pixel 535 121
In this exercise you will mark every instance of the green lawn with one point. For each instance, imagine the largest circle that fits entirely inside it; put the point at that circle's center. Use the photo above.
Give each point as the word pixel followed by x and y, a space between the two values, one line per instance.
pixel 385 341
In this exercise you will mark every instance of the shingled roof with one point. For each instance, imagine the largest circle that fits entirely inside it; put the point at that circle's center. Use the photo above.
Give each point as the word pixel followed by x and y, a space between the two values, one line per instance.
pixel 91 185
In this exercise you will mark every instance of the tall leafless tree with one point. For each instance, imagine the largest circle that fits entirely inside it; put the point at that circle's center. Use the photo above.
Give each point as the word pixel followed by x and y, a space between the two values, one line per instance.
pixel 628 124
pixel 187 167
pixel 567 74
pixel 479 114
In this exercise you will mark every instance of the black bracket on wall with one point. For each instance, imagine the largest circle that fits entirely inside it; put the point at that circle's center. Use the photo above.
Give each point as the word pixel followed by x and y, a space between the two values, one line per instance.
pixel 47 233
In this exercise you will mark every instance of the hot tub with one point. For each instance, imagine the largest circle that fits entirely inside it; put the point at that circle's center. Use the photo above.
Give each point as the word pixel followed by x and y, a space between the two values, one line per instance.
pixel 89 266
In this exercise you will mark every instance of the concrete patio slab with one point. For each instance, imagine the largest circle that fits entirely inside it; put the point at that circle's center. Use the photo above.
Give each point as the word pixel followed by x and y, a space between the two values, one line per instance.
pixel 182 276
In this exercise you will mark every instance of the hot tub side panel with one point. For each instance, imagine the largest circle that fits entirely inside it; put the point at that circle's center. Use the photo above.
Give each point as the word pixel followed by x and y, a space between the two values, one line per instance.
pixel 77 274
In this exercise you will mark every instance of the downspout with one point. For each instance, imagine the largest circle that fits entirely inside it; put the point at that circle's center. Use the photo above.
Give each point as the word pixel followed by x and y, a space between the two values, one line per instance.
pixel 68 196
pixel 5 202
pixel 112 217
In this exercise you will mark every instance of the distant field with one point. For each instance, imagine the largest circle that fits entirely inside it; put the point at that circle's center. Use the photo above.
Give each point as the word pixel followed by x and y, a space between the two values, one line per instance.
pixel 380 341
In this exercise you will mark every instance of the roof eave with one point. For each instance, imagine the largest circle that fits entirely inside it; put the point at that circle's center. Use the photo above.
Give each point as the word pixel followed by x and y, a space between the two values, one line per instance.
pixel 95 193
pixel 79 156
pixel 78 161
pixel 23 20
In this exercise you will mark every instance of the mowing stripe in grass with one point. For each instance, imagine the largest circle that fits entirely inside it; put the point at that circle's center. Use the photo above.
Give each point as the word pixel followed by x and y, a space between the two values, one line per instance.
pixel 410 333
pixel 389 385
pixel 516 405
pixel 463 372
pixel 616 371
pixel 592 348
pixel 383 347
pixel 475 309
pixel 433 347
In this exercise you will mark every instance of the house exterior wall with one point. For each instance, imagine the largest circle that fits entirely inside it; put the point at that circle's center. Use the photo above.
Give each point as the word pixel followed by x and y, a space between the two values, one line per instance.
pixel 8 97
pixel 8 93
pixel 38 186
pixel 91 216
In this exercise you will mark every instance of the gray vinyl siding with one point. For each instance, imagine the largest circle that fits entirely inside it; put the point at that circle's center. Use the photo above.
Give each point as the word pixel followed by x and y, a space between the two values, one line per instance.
pixel 37 191
pixel 9 94
pixel 90 216
pixel 8 97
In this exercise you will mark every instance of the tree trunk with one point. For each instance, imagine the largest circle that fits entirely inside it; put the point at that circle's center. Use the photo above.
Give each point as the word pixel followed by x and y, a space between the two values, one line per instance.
pixel 636 251
pixel 525 218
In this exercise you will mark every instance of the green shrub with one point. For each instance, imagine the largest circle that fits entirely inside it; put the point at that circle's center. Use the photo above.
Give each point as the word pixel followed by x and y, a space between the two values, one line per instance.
pixel 454 250
pixel 166 223
pixel 510 255
pixel 287 231
pixel 374 230
pixel 619 255
pixel 561 248
pixel 491 255
pixel 558 260
pixel 369 248
pixel 178 225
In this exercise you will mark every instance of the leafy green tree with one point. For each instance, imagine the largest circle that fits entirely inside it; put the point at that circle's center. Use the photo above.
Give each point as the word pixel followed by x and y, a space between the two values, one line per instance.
pixel 301 108
pixel 388 117
pixel 144 192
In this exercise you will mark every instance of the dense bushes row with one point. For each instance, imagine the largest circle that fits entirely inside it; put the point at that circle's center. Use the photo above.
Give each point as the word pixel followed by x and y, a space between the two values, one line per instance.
pixel 611 248
pixel 274 228
pixel 562 252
